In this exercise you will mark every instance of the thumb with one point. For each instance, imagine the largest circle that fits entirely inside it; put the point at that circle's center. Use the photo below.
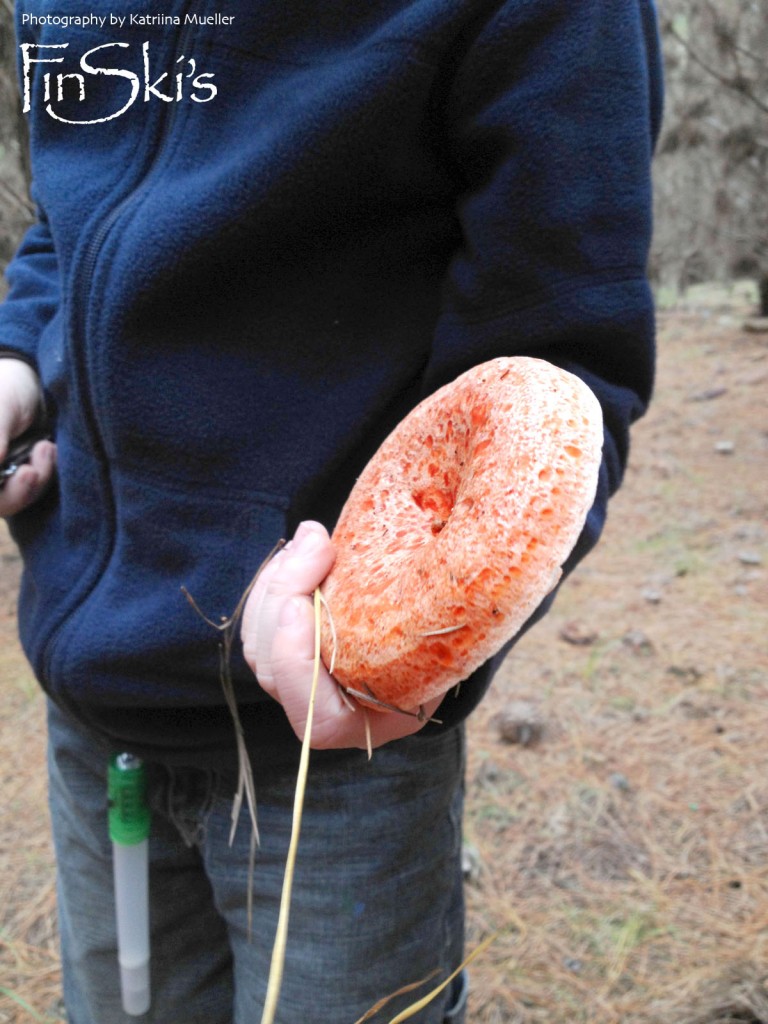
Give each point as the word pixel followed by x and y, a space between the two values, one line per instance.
pixel 295 572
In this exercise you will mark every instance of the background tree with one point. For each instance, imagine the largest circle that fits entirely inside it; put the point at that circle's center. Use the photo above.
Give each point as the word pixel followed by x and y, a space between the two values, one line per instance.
pixel 711 172
pixel 15 207
pixel 712 164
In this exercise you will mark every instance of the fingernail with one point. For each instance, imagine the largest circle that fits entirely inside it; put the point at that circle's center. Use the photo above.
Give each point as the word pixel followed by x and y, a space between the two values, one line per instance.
pixel 305 541
pixel 301 530
pixel 290 612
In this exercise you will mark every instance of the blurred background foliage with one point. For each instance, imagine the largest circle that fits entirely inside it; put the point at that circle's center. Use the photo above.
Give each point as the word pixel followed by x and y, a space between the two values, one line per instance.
pixel 711 169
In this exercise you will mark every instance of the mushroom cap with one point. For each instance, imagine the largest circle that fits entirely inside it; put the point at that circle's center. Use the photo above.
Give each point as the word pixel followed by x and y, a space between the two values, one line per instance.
pixel 458 527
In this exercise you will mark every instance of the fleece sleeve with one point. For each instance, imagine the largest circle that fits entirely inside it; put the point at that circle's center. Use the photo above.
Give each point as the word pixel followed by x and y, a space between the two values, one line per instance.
pixel 33 293
pixel 32 275
pixel 552 120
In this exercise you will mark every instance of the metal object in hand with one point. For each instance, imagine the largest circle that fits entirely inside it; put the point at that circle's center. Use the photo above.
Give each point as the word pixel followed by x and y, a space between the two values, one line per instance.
pixel 19 453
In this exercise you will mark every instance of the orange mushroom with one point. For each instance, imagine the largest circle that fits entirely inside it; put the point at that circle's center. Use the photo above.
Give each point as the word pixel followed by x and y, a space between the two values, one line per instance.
pixel 458 527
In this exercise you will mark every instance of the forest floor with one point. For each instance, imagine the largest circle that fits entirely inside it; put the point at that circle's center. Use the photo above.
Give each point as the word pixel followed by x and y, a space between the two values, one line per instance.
pixel 617 811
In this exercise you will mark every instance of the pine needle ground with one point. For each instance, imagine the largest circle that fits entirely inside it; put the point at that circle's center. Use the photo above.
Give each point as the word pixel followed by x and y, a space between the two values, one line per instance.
pixel 625 850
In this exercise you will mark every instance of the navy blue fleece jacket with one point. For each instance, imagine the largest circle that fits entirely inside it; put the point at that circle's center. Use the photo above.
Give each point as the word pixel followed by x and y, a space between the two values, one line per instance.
pixel 259 244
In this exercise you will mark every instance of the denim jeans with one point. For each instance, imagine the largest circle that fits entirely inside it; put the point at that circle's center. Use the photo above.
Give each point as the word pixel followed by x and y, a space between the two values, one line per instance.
pixel 377 900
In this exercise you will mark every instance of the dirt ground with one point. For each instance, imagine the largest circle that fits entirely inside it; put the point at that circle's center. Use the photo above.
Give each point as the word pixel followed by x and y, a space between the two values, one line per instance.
pixel 617 817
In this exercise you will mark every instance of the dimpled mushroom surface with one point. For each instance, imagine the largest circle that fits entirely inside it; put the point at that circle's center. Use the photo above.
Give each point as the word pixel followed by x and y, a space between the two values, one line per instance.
pixel 458 527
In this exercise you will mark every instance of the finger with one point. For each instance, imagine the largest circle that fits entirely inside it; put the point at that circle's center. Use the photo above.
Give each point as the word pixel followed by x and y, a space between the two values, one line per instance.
pixel 29 481
pixel 292 665
pixel 335 724
pixel 264 579
pixel 390 725
pixel 11 426
pixel 297 570
pixel 20 400
pixel 252 610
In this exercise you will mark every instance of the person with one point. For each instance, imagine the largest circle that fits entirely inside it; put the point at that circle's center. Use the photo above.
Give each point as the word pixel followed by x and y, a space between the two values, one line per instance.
pixel 261 239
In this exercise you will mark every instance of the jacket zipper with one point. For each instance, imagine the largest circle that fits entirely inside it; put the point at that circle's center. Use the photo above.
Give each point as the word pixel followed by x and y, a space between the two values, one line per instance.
pixel 78 332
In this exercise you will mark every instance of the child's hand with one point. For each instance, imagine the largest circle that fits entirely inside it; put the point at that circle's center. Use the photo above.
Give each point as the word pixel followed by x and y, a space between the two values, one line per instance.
pixel 278 634
pixel 20 406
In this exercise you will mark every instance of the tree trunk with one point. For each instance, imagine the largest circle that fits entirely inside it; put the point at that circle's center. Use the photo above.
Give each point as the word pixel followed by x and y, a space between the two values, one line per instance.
pixel 22 133
pixel 762 285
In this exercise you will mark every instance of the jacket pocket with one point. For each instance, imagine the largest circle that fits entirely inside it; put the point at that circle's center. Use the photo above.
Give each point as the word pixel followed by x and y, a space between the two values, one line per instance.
pixel 130 636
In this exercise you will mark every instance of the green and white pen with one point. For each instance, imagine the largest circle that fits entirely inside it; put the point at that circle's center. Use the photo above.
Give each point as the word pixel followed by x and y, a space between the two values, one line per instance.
pixel 129 832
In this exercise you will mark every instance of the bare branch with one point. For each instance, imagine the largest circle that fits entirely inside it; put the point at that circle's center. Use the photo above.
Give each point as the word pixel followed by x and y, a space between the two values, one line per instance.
pixel 738 84
pixel 17 199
